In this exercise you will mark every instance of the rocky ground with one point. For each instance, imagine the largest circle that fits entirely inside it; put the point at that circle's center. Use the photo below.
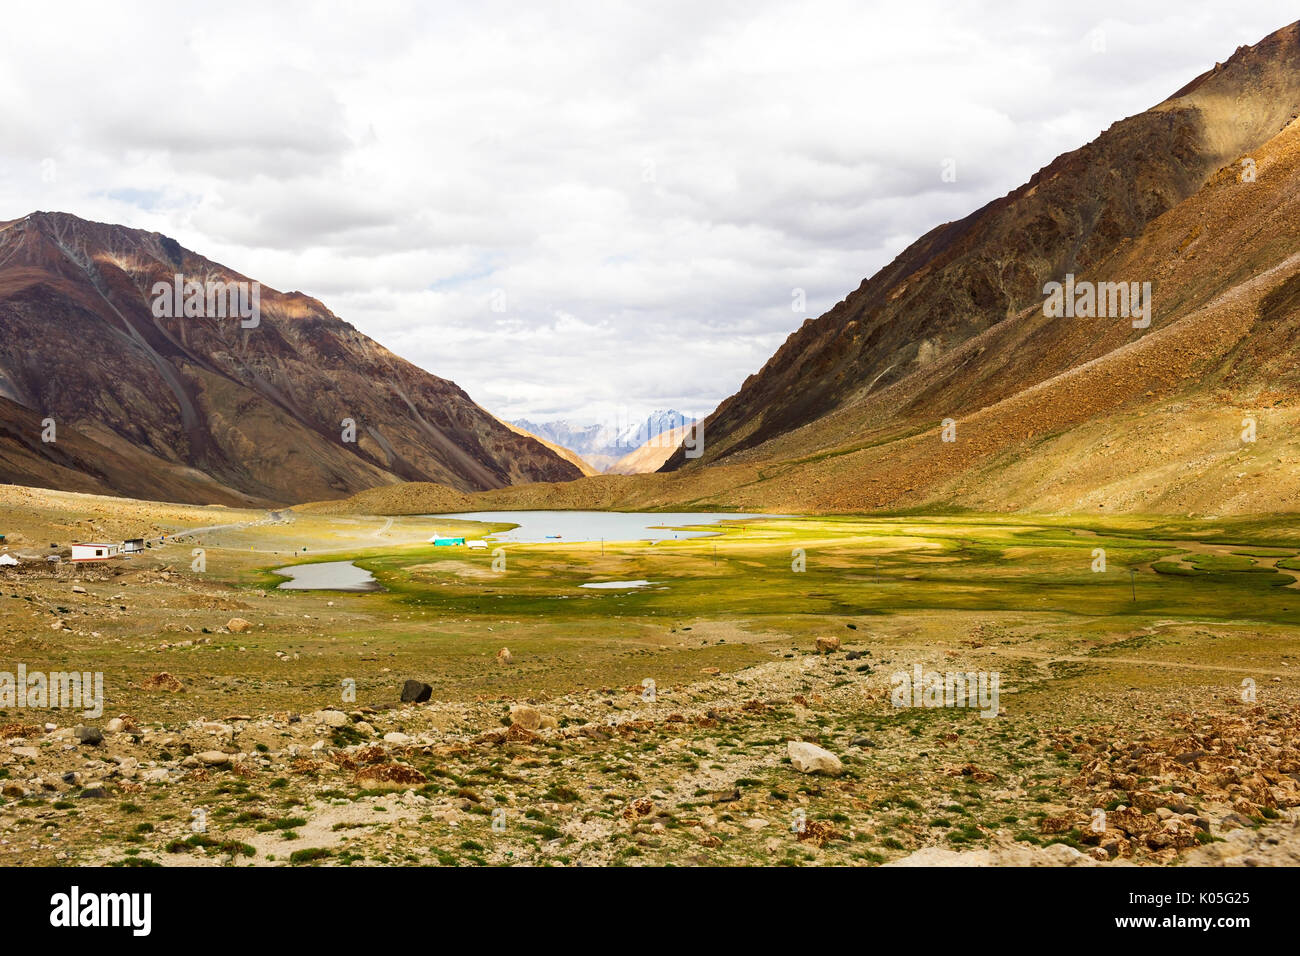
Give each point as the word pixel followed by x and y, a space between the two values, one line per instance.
pixel 799 761
pixel 246 725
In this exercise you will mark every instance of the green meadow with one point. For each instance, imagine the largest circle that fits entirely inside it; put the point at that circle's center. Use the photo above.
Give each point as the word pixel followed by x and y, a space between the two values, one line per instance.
pixel 1221 595
pixel 850 567
pixel 1177 601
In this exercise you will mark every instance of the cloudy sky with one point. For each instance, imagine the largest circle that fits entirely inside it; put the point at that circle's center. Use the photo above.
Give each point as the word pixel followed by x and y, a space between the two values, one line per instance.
pixel 587 212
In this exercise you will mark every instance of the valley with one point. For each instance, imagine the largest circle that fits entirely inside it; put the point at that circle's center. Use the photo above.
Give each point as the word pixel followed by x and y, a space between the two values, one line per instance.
pixel 654 724
pixel 993 562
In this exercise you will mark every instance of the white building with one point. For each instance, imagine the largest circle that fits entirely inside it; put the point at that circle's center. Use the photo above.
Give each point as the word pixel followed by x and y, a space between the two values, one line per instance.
pixel 94 551
pixel 8 559
pixel 476 544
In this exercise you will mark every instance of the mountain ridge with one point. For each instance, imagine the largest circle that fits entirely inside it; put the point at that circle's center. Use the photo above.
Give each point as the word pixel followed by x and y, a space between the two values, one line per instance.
pixel 239 414
pixel 959 278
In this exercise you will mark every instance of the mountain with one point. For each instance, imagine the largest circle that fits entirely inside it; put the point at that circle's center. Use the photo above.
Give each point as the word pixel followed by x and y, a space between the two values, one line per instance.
pixel 567 454
pixel 651 455
pixel 219 410
pixel 658 422
pixel 1199 196
pixel 602 445
pixel 588 441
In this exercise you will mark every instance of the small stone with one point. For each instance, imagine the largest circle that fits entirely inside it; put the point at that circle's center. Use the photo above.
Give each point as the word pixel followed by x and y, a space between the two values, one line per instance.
pixel 827 645
pixel 237 625
pixel 213 758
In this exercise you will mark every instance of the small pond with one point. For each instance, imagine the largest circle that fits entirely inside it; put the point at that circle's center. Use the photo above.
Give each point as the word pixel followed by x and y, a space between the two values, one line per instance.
pixel 328 576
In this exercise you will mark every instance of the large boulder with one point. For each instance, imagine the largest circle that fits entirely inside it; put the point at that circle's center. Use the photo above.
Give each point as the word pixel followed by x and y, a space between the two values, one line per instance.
pixel 416 692
pixel 389 776
pixel 809 758
pixel 332 718
pixel 525 716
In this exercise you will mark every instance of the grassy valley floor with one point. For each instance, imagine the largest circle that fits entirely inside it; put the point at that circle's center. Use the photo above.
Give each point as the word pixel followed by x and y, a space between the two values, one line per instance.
pixel 232 707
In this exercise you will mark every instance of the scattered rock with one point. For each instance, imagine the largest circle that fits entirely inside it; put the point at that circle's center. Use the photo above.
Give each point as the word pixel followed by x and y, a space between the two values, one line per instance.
pixel 809 758
pixel 389 776
pixel 525 716
pixel 163 681
pixel 415 692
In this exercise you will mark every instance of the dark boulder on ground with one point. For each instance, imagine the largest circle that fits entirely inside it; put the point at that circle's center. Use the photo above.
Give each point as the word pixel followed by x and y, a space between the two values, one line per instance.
pixel 415 692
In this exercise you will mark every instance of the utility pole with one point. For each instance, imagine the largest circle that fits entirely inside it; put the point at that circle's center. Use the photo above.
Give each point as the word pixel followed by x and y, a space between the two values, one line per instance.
pixel 1132 572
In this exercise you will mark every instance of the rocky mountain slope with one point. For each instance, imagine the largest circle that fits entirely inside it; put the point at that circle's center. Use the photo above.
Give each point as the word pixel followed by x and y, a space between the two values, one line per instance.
pixel 1198 196
pixel 203 409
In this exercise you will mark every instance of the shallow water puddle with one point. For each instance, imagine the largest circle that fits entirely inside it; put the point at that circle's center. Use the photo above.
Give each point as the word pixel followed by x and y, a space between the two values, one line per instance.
pixel 328 576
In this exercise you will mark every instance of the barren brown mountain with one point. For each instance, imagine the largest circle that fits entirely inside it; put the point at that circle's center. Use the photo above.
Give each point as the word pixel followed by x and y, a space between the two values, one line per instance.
pixel 1198 195
pixel 204 410
pixel 962 278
